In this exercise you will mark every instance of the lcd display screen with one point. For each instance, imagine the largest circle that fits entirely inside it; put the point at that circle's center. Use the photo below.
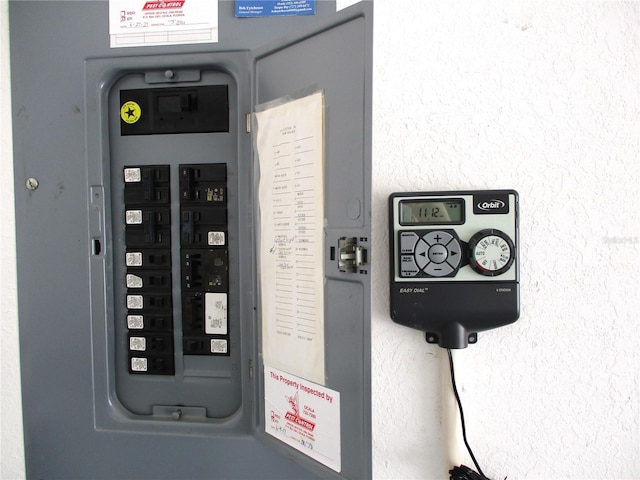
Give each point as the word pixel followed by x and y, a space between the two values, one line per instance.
pixel 432 212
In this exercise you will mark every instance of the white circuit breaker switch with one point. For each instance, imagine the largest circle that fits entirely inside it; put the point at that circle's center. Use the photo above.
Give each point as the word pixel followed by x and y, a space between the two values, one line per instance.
pixel 135 322
pixel 133 217
pixel 216 238
pixel 139 364
pixel 134 281
pixel 138 344
pixel 133 259
pixel 132 175
pixel 219 345
pixel 135 302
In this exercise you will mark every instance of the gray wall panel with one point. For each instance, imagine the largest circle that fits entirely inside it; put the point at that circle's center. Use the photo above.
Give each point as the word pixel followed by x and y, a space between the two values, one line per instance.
pixel 62 74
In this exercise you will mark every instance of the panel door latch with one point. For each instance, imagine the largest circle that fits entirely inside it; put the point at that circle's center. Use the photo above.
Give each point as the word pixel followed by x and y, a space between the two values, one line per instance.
pixel 351 255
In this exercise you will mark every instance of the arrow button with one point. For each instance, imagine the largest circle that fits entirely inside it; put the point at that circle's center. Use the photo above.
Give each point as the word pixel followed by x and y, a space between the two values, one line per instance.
pixel 453 247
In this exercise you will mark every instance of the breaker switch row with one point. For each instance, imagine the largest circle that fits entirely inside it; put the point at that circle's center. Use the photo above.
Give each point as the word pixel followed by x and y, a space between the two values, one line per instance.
pixel 204 259
pixel 149 319
pixel 204 264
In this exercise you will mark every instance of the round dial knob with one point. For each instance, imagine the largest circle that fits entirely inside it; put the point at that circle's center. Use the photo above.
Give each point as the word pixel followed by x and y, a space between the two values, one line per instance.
pixel 491 252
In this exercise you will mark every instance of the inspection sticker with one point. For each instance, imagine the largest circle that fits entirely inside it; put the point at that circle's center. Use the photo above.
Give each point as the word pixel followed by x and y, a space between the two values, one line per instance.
pixel 162 22
pixel 274 8
pixel 130 112
pixel 304 415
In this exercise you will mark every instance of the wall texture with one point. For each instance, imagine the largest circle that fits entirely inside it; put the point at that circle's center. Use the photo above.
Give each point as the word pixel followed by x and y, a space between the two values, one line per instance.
pixel 543 97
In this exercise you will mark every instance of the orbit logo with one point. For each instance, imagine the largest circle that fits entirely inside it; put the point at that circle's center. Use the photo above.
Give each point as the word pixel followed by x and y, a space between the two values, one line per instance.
pixel 489 205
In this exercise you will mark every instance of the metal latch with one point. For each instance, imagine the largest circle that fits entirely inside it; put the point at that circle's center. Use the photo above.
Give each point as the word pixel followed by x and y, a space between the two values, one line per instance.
pixel 350 255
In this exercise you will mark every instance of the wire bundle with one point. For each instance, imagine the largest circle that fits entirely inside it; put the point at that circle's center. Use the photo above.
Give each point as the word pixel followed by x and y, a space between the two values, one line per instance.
pixel 463 472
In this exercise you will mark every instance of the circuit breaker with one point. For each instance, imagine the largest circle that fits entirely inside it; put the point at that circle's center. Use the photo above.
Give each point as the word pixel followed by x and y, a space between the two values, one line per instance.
pixel 172 150
pixel 141 317
pixel 203 257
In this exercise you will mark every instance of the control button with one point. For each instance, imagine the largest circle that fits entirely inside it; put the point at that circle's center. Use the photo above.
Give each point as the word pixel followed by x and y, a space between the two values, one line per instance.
pixel 437 237
pixel 408 267
pixel 491 252
pixel 455 255
pixel 438 253
pixel 407 241
pixel 421 254
pixel 441 253
pixel 438 269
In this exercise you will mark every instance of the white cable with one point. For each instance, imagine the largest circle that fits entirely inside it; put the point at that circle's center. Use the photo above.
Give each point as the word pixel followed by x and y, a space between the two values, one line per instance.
pixel 453 444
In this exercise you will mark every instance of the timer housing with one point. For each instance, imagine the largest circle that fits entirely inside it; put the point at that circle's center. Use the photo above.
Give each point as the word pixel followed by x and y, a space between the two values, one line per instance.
pixel 454 267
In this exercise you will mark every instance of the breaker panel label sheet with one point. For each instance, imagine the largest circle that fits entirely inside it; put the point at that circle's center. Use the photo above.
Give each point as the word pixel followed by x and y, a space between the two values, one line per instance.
pixel 289 142
pixel 134 23
pixel 304 415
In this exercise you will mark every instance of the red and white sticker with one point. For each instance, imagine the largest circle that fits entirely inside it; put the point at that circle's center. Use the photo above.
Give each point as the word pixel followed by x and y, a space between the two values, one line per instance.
pixel 162 5
pixel 162 22
pixel 304 415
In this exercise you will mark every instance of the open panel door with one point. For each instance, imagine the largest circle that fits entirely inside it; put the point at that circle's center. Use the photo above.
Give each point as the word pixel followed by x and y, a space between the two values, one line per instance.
pixel 336 61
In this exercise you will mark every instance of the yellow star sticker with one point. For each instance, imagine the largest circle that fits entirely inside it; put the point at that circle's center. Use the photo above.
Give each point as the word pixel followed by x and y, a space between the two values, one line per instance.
pixel 130 112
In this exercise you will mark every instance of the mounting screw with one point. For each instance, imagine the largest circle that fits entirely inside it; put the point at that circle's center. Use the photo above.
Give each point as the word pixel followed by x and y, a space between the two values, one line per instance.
pixel 32 183
pixel 176 414
pixel 169 74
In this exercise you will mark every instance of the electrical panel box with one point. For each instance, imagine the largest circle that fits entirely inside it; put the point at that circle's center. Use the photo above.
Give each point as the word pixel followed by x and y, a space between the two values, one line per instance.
pixel 138 232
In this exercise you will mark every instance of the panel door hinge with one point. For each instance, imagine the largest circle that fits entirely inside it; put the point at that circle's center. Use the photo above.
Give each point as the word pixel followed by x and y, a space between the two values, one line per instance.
pixel 351 256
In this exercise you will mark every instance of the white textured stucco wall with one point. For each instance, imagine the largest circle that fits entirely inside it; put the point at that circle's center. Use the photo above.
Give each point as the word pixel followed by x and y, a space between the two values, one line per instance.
pixel 543 97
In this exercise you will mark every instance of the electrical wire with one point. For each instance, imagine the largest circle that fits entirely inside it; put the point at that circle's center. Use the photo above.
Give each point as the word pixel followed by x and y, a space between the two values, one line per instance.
pixel 463 472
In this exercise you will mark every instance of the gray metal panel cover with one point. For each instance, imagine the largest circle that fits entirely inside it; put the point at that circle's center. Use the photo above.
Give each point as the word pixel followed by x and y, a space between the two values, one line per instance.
pixel 62 73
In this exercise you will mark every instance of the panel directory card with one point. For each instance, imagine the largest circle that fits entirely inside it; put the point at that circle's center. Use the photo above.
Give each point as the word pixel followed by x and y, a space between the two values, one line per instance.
pixel 290 147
